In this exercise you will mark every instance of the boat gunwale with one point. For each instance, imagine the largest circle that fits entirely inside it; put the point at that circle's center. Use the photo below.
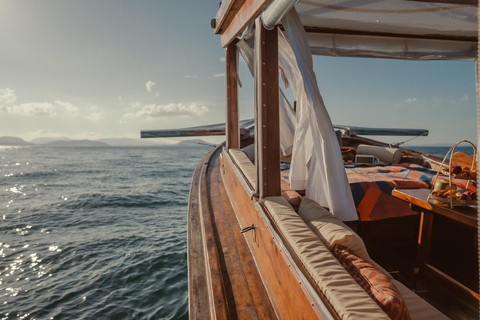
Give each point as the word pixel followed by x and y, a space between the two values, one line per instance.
pixel 313 293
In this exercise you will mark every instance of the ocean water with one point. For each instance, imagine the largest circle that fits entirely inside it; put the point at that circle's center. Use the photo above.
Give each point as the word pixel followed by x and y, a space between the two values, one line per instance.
pixel 95 233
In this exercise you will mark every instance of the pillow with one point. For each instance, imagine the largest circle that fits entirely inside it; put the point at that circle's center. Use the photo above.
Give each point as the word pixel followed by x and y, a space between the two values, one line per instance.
pixel 374 282
pixel 330 229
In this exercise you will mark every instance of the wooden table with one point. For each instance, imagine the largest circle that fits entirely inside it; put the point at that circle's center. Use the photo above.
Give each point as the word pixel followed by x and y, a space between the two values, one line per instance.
pixel 429 210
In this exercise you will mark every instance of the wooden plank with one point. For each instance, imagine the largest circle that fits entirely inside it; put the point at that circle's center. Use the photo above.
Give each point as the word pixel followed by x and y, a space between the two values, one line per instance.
pixel 424 238
pixel 247 13
pixel 461 2
pixel 227 11
pixel 286 294
pixel 388 34
pixel 198 296
pixel 418 197
pixel 267 106
pixel 247 296
pixel 215 284
pixel 232 133
pixel 467 294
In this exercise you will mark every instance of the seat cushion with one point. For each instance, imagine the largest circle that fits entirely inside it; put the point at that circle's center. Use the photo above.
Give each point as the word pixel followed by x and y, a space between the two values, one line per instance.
pixel 374 282
pixel 245 165
pixel 419 309
pixel 346 296
pixel 330 229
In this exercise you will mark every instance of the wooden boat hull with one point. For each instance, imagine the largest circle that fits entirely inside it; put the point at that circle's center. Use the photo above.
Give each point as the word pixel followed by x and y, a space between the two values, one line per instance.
pixel 230 274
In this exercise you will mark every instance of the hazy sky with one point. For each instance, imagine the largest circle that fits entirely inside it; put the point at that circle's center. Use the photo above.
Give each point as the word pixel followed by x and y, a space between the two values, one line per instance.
pixel 98 69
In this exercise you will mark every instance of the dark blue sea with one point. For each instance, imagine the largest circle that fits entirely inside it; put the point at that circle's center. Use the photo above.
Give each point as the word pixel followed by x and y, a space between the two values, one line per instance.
pixel 95 233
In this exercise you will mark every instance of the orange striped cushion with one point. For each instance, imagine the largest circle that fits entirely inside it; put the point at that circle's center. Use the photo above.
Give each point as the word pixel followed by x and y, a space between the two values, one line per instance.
pixel 374 282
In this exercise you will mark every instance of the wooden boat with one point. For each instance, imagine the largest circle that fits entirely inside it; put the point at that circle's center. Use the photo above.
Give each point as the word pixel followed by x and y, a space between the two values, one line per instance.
pixel 260 249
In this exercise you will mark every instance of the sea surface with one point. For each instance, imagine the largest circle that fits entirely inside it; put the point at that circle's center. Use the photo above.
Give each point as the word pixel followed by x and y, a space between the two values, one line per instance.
pixel 97 233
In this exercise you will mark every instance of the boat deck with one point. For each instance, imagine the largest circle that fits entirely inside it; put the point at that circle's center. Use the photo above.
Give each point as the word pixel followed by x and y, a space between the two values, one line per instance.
pixel 242 294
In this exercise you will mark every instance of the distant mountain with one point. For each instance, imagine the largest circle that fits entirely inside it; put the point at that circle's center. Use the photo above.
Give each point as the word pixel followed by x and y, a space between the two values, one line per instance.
pixel 13 141
pixel 129 142
pixel 76 143
pixel 44 140
pixel 195 141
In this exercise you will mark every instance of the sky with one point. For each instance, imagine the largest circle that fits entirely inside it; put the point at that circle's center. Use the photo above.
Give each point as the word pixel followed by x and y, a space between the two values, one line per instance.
pixel 108 69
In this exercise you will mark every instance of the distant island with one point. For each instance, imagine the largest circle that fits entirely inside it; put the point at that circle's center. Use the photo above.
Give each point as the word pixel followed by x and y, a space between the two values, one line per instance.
pixel 109 142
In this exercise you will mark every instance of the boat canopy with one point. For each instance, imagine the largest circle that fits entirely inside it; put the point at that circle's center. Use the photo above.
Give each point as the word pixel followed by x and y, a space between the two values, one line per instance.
pixel 397 29
pixel 415 30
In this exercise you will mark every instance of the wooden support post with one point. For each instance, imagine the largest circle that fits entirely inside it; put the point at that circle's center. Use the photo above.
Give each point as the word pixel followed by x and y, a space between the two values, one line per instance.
pixel 231 124
pixel 267 127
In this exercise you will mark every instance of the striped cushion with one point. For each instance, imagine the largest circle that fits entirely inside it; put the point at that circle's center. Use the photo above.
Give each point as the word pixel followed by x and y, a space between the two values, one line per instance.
pixel 374 282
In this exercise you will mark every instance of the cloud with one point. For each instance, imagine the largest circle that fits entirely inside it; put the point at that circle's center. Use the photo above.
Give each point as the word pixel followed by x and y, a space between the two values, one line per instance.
pixel 168 110
pixel 70 108
pixel 149 85
pixel 157 94
pixel 95 116
pixel 218 75
pixel 410 100
pixel 437 100
pixel 190 76
pixel 464 98
pixel 32 109
pixel 222 59
pixel 120 99
pixel 135 104
pixel 7 96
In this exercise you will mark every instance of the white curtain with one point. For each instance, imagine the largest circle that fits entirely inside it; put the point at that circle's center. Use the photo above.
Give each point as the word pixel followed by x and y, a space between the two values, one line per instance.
pixel 287 115
pixel 317 164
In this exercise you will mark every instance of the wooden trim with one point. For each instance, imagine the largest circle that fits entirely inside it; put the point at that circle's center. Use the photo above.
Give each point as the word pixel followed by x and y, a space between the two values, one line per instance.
pixel 467 294
pixel 247 13
pixel 225 14
pixel 198 293
pixel 464 2
pixel 231 123
pixel 218 302
pixel 388 35
pixel 267 106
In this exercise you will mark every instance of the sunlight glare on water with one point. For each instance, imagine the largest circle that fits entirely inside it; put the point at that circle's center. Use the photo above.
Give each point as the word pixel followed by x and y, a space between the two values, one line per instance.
pixel 94 233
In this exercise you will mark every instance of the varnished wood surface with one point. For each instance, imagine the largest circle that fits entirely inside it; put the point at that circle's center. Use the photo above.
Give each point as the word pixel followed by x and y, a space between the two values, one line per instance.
pixel 286 294
pixel 267 111
pixel 418 197
pixel 198 296
pixel 231 123
pixel 246 14
pixel 236 290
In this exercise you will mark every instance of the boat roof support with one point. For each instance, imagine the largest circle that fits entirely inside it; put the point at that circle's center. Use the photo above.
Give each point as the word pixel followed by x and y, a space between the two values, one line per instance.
pixel 245 15
pixel 267 127
pixel 232 133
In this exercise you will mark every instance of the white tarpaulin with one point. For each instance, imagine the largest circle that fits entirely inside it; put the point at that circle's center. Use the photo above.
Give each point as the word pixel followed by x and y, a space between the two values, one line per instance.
pixel 317 164
pixel 287 115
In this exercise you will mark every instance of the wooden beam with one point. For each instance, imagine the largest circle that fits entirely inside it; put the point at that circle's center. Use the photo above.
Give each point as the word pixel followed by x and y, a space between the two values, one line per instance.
pixel 227 11
pixel 245 15
pixel 231 123
pixel 388 35
pixel 267 109
pixel 457 2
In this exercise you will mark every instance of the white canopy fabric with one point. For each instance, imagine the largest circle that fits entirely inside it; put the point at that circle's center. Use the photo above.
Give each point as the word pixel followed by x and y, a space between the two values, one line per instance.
pixel 317 164
pixel 397 29
pixel 287 115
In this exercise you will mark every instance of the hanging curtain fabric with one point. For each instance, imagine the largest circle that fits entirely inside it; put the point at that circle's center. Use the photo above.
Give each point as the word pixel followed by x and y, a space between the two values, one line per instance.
pixel 287 115
pixel 317 164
